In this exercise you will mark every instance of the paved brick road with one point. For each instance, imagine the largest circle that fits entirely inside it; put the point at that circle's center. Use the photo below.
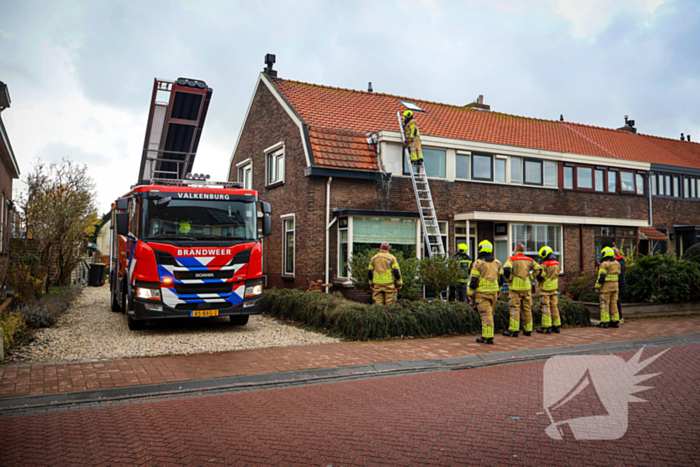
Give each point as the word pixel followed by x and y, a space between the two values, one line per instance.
pixel 22 380
pixel 447 418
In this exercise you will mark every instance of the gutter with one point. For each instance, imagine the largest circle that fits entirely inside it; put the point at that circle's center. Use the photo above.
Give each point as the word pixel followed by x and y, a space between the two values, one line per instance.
pixel 345 173
pixel 328 228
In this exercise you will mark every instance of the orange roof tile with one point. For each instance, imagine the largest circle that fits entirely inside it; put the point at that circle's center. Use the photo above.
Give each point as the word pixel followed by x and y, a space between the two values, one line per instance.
pixel 652 234
pixel 332 112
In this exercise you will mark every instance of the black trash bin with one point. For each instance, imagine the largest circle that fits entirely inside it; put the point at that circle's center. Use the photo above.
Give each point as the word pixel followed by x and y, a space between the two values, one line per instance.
pixel 97 275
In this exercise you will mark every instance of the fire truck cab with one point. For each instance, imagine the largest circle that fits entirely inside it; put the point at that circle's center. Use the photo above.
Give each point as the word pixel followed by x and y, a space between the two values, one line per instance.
pixel 187 249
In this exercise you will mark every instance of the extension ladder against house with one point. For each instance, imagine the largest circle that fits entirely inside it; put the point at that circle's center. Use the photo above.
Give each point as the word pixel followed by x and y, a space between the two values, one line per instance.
pixel 426 208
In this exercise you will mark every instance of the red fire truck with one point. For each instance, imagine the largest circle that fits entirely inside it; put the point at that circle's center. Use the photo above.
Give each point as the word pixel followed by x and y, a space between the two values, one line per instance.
pixel 187 248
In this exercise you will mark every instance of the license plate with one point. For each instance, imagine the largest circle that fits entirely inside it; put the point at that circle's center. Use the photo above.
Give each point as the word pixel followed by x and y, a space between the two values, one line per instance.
pixel 205 313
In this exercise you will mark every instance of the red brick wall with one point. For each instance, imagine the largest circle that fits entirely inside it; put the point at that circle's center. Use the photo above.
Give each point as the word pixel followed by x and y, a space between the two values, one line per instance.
pixel 669 212
pixel 6 188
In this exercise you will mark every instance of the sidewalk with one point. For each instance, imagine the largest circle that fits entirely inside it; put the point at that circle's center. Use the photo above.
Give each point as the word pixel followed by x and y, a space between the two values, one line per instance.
pixel 48 378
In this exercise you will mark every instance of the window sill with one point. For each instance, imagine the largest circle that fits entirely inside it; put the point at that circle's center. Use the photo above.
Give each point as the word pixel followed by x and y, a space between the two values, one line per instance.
pixel 343 283
pixel 274 185
pixel 288 278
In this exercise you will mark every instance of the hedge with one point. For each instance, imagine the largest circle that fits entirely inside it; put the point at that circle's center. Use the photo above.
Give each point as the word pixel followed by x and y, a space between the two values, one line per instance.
pixel 334 315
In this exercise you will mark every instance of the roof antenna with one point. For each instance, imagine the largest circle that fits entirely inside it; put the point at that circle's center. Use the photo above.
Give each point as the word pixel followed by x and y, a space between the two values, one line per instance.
pixel 561 117
pixel 369 87
pixel 682 137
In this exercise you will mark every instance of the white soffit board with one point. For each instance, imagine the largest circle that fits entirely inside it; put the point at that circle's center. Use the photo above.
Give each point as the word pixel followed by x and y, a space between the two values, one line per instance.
pixel 548 219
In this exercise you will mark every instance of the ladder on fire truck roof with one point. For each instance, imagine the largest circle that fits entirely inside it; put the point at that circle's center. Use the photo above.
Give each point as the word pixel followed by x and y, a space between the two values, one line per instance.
pixel 426 208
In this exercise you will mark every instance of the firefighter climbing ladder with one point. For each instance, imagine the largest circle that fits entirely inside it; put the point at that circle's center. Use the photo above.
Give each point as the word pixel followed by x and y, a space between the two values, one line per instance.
pixel 426 208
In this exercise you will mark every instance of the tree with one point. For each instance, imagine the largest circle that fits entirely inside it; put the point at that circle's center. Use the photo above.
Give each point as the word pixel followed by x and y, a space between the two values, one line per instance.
pixel 439 272
pixel 60 213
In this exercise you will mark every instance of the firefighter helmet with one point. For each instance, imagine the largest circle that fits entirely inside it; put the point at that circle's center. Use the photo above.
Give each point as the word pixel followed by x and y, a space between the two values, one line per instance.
pixel 607 252
pixel 407 113
pixel 462 247
pixel 485 247
pixel 544 251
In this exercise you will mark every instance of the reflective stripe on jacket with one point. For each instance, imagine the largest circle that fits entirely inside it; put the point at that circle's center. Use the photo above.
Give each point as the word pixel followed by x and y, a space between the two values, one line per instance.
pixel 465 264
pixel 385 269
pixel 488 273
pixel 608 272
pixel 520 266
pixel 551 275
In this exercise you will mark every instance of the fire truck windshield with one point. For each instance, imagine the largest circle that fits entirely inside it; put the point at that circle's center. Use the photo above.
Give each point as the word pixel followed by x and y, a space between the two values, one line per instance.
pixel 181 219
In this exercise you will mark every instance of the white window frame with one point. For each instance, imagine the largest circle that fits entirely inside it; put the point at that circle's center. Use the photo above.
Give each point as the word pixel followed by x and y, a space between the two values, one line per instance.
pixel 277 150
pixel 340 258
pixel 505 169
pixel 242 166
pixel 560 255
pixel 285 218
pixel 468 155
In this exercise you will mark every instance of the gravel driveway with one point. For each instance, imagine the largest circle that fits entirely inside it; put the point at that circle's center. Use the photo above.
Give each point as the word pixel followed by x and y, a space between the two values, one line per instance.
pixel 89 330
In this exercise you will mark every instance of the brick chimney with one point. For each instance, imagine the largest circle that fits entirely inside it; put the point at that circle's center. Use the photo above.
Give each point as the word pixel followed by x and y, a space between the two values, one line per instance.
pixel 479 104
pixel 629 126
pixel 269 61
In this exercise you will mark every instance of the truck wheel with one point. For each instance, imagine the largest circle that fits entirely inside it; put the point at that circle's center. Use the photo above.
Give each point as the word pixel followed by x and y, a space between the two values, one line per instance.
pixel 135 325
pixel 115 305
pixel 239 320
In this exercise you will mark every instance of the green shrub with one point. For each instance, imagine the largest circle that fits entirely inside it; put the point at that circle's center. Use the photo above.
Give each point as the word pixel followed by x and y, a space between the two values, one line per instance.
pixel 692 254
pixel 439 272
pixel 583 287
pixel 663 279
pixel 359 263
pixel 11 324
pixel 45 311
pixel 23 278
pixel 333 314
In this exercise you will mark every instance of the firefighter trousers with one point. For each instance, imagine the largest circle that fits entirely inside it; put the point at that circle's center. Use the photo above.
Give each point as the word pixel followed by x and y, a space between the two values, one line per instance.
pixel 486 305
pixel 550 309
pixel 520 303
pixel 461 292
pixel 416 150
pixel 608 302
pixel 383 294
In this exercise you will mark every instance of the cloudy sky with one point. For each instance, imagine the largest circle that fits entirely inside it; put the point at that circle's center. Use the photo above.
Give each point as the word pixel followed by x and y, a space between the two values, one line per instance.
pixel 80 73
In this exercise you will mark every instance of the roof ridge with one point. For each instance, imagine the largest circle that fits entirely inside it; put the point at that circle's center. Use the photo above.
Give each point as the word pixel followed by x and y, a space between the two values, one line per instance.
pixel 414 100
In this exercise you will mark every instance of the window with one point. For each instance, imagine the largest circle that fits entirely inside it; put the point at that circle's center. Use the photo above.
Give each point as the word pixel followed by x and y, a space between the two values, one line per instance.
pixel 584 177
pixel 623 238
pixel 653 185
pixel 692 188
pixel 134 216
pixel 535 236
pixel 434 162
pixel 370 232
pixel 550 173
pixel 500 170
pixel 515 170
pixel 444 229
pixel 668 185
pixel 639 178
pixel 568 178
pixel 245 175
pixel 343 247
pixel 612 181
pixel 599 177
pixel 411 106
pixel 462 167
pixel 627 181
pixel 482 167
pixel 288 252
pixel 533 172
pixel 460 235
pixel 686 187
pixel 275 166
pixel 676 187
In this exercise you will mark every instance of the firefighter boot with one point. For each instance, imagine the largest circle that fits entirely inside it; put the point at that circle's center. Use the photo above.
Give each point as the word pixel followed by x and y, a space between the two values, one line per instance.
pixel 547 330
pixel 602 325
pixel 614 324
pixel 485 340
pixel 556 329
pixel 510 333
pixel 527 333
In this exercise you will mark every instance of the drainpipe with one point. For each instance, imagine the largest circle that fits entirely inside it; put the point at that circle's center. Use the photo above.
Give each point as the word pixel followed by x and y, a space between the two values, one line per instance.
pixel 328 227
pixel 581 244
pixel 651 209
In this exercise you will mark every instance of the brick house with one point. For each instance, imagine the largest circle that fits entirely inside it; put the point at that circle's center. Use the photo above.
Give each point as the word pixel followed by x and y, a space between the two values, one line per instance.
pixel 9 170
pixel 329 162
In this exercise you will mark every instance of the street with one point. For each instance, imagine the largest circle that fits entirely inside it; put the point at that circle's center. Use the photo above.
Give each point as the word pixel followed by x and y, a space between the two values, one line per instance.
pixel 484 416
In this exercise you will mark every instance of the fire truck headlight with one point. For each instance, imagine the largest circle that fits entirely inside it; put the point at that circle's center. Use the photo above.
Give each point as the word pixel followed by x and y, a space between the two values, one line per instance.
pixel 147 293
pixel 253 290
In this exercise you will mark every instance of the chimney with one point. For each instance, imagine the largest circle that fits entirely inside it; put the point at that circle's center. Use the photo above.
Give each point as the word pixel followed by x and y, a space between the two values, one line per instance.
pixel 682 137
pixel 369 87
pixel 269 61
pixel 629 126
pixel 561 117
pixel 688 137
pixel 479 104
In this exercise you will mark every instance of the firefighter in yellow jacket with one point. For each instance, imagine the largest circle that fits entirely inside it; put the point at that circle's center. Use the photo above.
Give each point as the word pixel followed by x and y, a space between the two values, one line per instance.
pixel 412 135
pixel 465 266
pixel 607 286
pixel 384 276
pixel 549 291
pixel 486 281
pixel 517 272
